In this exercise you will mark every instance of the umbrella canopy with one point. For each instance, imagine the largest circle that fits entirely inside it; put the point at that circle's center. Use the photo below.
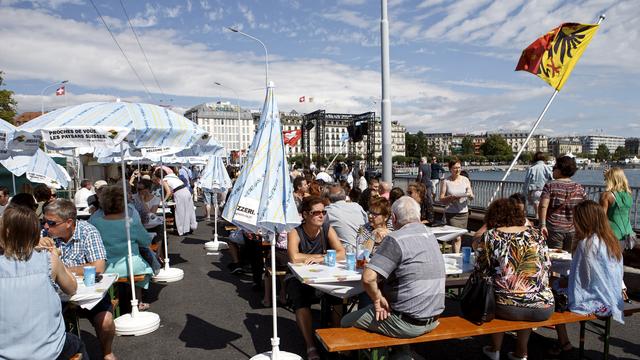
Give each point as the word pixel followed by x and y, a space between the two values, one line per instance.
pixel 211 147
pixel 107 124
pixel 39 167
pixel 9 140
pixel 214 176
pixel 262 197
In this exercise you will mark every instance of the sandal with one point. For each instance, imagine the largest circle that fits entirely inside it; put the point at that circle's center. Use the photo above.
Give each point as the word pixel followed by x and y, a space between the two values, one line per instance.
pixel 312 353
pixel 143 306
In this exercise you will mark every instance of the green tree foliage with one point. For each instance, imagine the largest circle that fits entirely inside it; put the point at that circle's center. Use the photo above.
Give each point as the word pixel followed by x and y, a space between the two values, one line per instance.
pixel 7 103
pixel 602 153
pixel 467 145
pixel 620 153
pixel 496 145
pixel 526 157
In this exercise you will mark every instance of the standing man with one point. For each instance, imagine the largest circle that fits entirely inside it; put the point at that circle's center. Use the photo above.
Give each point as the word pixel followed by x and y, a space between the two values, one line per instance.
pixel 436 173
pixel 4 198
pixel 412 269
pixel 81 245
pixel 536 176
pixel 83 194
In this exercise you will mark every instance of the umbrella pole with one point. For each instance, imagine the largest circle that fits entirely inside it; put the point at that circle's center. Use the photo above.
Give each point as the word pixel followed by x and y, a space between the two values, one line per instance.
pixel 275 341
pixel 215 217
pixel 134 301
pixel 164 217
pixel 13 179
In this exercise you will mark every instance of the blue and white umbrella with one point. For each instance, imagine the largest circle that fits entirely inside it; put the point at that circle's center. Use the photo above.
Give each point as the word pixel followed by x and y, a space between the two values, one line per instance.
pixel 9 139
pixel 262 197
pixel 107 124
pixel 39 167
pixel 215 176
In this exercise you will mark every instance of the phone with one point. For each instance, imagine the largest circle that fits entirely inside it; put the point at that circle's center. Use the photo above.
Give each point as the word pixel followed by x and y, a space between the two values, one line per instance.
pixel 98 278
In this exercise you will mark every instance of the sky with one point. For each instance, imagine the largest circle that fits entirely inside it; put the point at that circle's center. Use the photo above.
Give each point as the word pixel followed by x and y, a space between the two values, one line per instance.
pixel 452 62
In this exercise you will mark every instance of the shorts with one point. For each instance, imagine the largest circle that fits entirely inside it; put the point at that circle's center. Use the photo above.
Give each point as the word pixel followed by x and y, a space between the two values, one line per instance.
pixel 102 306
pixel 534 197
pixel 208 197
pixel 303 296
pixel 559 240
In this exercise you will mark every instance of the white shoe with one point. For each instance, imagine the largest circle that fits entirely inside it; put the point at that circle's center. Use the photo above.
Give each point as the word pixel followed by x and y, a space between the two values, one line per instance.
pixel 493 355
pixel 513 357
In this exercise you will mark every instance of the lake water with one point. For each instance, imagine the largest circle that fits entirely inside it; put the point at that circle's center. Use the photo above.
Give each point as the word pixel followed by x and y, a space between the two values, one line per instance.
pixel 585 177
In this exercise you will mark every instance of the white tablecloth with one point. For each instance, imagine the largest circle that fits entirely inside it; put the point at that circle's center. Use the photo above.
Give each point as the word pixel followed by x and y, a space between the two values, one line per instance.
pixel 88 297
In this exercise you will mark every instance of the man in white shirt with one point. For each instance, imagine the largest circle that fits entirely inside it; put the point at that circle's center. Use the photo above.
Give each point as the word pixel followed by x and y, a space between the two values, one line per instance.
pixel 83 194
pixel 4 198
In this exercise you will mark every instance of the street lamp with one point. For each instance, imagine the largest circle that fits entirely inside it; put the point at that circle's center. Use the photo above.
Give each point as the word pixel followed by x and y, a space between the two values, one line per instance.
pixel 238 104
pixel 46 87
pixel 266 54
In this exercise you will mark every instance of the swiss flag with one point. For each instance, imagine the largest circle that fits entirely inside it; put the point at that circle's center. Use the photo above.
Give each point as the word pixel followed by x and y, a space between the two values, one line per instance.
pixel 301 99
pixel 291 137
pixel 60 91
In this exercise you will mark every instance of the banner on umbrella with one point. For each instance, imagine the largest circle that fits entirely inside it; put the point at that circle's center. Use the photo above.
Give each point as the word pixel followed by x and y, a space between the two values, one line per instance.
pixel 247 211
pixel 85 136
pixel 41 179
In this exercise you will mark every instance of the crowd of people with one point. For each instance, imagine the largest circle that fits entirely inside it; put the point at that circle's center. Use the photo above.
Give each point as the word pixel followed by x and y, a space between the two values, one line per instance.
pixel 42 239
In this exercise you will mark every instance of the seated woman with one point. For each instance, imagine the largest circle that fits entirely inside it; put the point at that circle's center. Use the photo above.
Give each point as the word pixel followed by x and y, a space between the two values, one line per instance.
pixel 418 192
pixel 595 278
pixel 517 259
pixel 114 235
pixel 146 202
pixel 307 244
pixel 31 324
pixel 520 201
pixel 370 235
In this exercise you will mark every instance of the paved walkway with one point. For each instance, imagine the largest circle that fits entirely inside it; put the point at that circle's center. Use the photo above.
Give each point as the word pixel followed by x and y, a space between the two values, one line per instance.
pixel 212 314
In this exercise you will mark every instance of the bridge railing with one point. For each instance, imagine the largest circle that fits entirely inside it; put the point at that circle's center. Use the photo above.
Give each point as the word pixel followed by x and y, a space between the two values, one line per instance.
pixel 483 190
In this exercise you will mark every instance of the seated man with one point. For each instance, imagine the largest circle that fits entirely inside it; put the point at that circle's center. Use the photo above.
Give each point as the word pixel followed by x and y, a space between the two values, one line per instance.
pixel 410 262
pixel 81 245
pixel 344 217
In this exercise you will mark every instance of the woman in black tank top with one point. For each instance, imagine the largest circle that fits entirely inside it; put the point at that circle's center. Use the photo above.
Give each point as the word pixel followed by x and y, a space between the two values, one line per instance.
pixel 307 244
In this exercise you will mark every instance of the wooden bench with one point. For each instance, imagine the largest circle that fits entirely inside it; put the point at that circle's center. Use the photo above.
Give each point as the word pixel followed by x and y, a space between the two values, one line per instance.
pixel 602 327
pixel 113 292
pixel 453 327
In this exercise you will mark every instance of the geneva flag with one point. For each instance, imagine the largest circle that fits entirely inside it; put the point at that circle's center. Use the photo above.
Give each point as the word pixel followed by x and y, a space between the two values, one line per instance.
pixel 553 56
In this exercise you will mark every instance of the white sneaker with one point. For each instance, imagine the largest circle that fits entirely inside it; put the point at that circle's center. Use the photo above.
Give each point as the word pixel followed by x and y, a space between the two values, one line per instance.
pixel 513 357
pixel 493 355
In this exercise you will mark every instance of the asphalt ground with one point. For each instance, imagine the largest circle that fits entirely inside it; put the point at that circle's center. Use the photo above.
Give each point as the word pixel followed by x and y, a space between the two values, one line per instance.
pixel 213 314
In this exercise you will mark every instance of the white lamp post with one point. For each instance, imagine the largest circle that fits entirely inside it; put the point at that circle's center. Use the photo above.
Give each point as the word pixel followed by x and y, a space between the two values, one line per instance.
pixel 266 54
pixel 45 88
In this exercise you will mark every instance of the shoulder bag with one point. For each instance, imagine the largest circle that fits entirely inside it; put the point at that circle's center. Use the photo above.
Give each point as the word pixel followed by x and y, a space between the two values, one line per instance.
pixel 477 300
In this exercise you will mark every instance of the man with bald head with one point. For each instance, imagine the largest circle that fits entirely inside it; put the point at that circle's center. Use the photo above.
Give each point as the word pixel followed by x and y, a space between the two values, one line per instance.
pixel 345 217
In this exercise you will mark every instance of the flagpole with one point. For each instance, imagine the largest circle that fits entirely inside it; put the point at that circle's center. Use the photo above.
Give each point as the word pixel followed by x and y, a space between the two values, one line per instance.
pixel 533 129
pixel 334 158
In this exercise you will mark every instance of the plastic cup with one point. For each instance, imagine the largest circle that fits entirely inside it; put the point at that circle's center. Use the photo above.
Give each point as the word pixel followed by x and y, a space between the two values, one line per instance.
pixel 331 257
pixel 89 278
pixel 351 261
pixel 466 255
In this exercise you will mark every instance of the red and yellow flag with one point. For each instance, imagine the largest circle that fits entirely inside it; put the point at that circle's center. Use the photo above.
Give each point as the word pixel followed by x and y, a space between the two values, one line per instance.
pixel 553 56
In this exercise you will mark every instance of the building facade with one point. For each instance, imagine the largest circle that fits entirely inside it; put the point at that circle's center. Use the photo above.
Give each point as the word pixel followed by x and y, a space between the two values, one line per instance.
pixel 232 126
pixel 632 145
pixel 516 139
pixel 560 146
pixel 590 143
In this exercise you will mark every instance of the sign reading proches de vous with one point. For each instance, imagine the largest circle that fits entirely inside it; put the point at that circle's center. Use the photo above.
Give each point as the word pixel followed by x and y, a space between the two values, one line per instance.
pixel 85 136
pixel 247 211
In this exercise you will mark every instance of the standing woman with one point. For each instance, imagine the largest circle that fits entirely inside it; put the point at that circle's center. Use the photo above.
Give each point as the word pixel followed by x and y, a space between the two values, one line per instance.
pixel 455 193
pixel 617 203
pixel 185 213
pixel 559 197
pixel 31 324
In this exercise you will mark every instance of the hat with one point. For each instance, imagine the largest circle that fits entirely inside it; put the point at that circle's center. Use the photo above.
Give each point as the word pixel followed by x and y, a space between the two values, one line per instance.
pixel 100 183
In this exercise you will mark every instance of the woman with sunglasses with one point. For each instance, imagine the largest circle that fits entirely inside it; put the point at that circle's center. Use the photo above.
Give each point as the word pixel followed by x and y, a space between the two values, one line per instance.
pixel 371 234
pixel 307 244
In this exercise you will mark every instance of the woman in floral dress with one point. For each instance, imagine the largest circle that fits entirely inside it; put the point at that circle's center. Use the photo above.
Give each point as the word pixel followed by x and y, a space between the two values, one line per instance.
pixel 516 258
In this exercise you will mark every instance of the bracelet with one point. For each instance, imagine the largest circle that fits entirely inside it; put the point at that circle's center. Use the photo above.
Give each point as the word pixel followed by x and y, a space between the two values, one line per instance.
pixel 543 224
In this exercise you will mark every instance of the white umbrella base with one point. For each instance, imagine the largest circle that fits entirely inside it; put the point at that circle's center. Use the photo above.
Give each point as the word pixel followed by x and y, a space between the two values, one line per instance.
pixel 168 275
pixel 141 324
pixel 215 245
pixel 282 355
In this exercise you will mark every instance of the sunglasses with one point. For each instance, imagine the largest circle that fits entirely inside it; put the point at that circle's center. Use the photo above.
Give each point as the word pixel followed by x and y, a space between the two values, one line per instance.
pixel 318 212
pixel 374 214
pixel 50 223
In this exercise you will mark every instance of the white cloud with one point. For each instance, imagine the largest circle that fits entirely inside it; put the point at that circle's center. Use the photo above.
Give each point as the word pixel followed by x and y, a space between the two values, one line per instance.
pixel 351 2
pixel 204 4
pixel 248 15
pixel 189 6
pixel 352 18
pixel 216 15
pixel 53 4
pixel 172 12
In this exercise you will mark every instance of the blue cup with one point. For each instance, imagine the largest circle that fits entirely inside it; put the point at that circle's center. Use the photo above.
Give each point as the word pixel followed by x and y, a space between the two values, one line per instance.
pixel 89 278
pixel 331 258
pixel 466 255
pixel 351 261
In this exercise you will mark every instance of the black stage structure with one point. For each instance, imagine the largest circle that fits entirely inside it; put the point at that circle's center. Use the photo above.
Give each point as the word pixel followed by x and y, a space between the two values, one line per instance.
pixel 359 126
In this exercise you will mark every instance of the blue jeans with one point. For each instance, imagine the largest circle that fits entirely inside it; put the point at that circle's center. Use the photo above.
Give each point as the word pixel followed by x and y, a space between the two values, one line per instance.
pixel 72 346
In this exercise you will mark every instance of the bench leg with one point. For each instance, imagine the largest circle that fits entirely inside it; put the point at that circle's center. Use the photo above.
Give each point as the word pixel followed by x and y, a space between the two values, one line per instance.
pixel 583 325
pixel 607 337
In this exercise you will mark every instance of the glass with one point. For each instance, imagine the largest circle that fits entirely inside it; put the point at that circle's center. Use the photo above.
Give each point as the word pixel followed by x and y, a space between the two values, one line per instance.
pixel 50 223
pixel 318 212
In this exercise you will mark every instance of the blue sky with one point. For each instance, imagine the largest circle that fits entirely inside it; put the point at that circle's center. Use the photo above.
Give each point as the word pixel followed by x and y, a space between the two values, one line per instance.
pixel 452 62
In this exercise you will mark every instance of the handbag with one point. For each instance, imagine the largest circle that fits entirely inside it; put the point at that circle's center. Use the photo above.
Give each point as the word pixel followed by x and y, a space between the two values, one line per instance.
pixel 478 302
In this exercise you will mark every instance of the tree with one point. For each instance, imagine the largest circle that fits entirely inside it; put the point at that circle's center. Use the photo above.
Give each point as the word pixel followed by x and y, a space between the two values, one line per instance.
pixel 7 103
pixel 602 153
pixel 620 154
pixel 496 145
pixel 467 145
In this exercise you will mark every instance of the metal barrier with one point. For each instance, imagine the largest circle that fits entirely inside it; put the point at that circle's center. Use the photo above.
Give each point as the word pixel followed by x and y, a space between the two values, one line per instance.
pixel 483 190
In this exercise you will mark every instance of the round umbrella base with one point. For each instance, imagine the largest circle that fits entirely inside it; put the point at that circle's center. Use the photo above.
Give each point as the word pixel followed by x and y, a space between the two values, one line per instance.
pixel 282 355
pixel 215 245
pixel 168 275
pixel 141 323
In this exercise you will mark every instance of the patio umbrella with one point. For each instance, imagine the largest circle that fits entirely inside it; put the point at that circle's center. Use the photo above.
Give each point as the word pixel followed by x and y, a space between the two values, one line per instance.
pixel 216 179
pixel 262 197
pixel 11 144
pixel 39 168
pixel 100 125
